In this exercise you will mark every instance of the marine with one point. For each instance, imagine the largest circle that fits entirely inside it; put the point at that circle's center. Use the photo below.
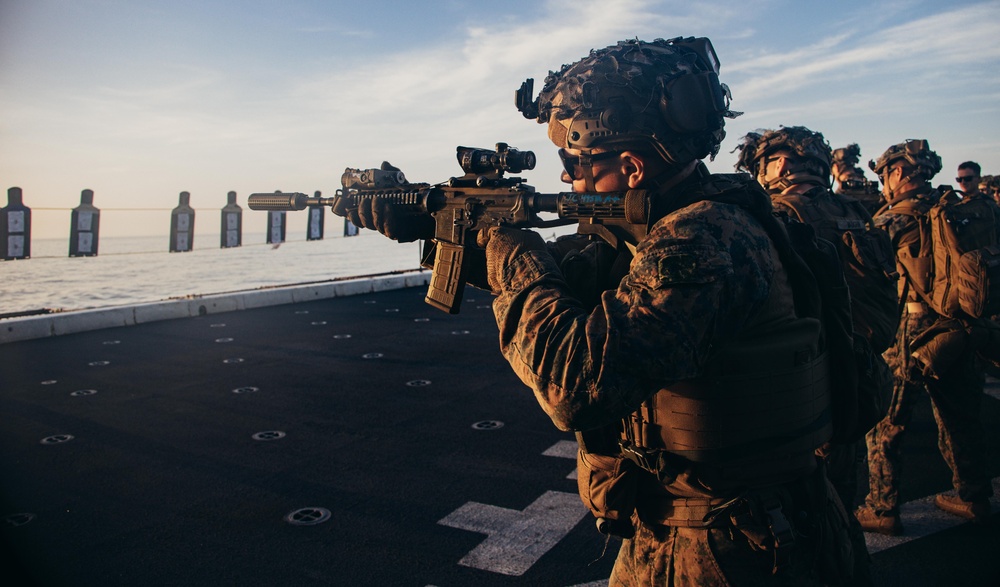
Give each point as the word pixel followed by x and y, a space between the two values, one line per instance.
pixel 793 163
pixel 651 349
pixel 953 381
pixel 850 179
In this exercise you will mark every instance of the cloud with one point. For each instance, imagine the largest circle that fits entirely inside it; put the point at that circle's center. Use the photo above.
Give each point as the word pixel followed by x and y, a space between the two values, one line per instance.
pixel 461 90
pixel 904 51
pixel 338 30
pixel 294 115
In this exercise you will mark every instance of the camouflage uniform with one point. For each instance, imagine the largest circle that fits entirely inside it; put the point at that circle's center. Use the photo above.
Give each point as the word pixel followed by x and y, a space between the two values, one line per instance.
pixel 702 274
pixel 956 396
pixel 800 193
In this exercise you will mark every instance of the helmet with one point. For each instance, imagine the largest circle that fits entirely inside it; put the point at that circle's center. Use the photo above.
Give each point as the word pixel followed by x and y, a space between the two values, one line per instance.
pixel 846 160
pixel 848 156
pixel 916 153
pixel 990 184
pixel 663 94
pixel 810 147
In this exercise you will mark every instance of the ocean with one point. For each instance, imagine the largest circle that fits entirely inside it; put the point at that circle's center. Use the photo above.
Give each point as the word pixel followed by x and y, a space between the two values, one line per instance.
pixel 131 270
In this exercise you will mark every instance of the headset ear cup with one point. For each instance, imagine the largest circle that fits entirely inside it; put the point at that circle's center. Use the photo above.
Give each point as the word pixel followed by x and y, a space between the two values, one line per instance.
pixel 689 101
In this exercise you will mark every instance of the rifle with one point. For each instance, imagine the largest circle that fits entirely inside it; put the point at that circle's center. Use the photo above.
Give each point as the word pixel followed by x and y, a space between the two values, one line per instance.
pixel 481 198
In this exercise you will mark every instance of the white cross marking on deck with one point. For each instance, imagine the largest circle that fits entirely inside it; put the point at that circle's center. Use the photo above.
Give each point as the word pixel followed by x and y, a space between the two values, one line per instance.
pixel 564 449
pixel 516 539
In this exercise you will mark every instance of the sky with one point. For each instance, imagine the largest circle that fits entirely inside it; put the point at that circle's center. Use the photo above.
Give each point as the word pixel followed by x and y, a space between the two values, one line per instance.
pixel 139 100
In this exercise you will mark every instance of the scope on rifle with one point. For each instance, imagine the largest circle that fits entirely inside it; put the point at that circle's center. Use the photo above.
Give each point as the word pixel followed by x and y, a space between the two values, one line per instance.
pixel 504 159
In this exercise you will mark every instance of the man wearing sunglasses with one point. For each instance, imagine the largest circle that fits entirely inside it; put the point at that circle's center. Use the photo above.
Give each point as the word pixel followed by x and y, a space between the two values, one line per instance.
pixel 968 178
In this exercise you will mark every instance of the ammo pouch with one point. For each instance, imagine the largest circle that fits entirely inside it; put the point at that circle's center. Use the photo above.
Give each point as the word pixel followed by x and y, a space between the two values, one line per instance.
pixel 937 349
pixel 979 282
pixel 763 517
pixel 607 483
pixel 773 521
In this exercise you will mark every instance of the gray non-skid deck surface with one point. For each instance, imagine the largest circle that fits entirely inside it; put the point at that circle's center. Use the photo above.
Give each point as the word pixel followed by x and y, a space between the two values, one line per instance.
pixel 128 457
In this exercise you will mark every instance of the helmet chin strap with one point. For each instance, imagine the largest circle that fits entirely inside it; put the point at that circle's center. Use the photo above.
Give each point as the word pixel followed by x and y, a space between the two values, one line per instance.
pixel 587 165
pixel 665 180
pixel 891 194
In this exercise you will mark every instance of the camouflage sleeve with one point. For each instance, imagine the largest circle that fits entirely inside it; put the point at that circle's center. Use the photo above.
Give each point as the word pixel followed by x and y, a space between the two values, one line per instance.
pixel 902 229
pixel 696 279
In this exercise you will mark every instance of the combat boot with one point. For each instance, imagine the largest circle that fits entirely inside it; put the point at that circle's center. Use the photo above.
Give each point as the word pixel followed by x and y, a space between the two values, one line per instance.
pixel 888 524
pixel 977 511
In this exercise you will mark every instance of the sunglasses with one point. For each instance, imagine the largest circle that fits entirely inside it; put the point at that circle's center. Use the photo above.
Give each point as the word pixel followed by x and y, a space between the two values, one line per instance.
pixel 571 163
pixel 965 178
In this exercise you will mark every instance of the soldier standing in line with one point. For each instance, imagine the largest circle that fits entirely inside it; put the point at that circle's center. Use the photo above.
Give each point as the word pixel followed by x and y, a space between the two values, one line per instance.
pixel 793 164
pixel 850 180
pixel 990 185
pixel 956 395
pixel 711 298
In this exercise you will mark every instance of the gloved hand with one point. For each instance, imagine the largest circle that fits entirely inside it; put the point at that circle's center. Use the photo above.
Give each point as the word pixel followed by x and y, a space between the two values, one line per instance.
pixel 503 245
pixel 400 223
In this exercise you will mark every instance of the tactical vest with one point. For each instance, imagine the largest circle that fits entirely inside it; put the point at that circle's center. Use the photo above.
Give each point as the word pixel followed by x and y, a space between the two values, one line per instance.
pixel 752 419
pixel 767 393
pixel 754 394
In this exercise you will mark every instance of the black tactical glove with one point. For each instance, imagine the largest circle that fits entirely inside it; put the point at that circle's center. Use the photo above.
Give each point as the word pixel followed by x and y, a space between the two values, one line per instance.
pixel 503 245
pixel 400 223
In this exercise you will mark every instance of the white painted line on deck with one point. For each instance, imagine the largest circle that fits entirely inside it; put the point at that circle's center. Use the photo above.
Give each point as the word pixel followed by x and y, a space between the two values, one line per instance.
pixel 516 539
pixel 992 387
pixel 922 518
pixel 564 449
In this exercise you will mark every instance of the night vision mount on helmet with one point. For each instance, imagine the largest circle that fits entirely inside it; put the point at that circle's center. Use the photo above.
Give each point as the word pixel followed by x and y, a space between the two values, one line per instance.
pixel 916 153
pixel 664 94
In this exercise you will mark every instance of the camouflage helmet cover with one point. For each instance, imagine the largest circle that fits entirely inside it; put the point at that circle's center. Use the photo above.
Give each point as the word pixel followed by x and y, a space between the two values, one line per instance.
pixel 808 145
pixel 916 153
pixel 848 156
pixel 665 94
